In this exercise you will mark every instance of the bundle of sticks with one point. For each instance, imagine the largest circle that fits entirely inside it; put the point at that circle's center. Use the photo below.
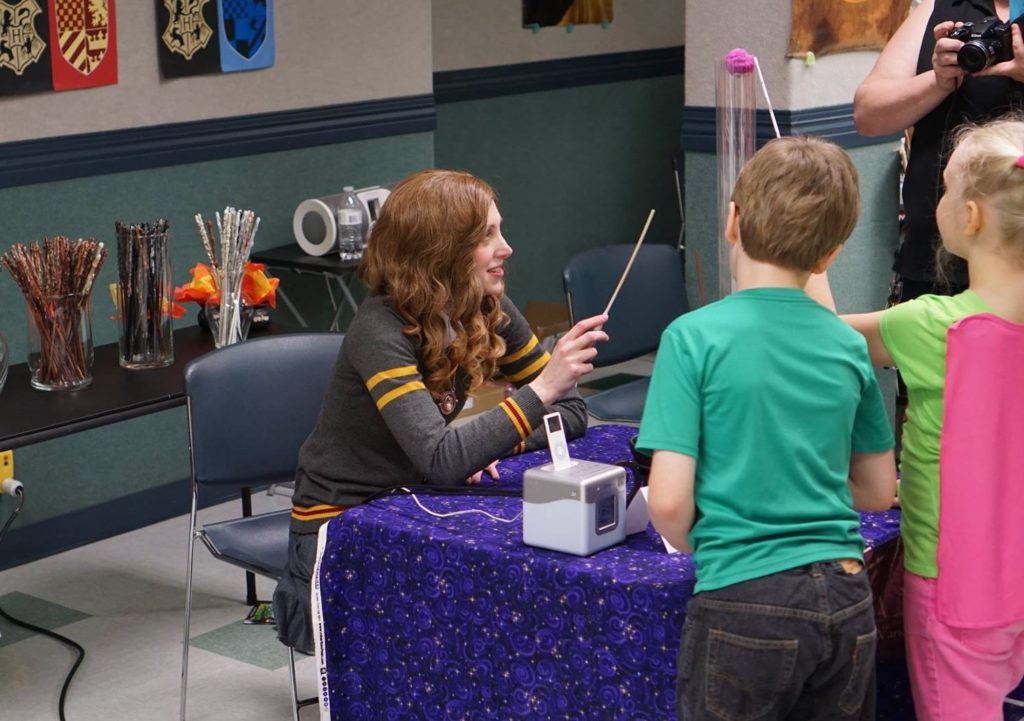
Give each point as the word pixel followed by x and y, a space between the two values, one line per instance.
pixel 144 291
pixel 56 279
pixel 236 232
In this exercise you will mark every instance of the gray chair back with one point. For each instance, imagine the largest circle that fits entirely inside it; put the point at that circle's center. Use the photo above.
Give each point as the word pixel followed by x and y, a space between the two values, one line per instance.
pixel 251 406
pixel 653 295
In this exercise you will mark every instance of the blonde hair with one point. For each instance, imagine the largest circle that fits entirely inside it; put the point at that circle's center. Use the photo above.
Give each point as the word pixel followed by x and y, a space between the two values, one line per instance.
pixel 987 157
pixel 797 200
pixel 421 255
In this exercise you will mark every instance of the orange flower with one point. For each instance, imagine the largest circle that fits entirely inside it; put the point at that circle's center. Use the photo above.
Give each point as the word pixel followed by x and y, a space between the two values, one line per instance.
pixel 257 287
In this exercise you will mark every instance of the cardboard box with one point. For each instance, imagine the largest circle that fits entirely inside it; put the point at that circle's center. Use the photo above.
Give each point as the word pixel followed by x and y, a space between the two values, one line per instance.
pixel 548 320
pixel 486 397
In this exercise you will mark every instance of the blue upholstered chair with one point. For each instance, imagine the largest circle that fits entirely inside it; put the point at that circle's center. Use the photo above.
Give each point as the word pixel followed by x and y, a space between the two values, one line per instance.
pixel 653 295
pixel 250 407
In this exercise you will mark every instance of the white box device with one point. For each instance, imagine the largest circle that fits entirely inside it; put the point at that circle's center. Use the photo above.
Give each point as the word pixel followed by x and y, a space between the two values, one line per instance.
pixel 579 509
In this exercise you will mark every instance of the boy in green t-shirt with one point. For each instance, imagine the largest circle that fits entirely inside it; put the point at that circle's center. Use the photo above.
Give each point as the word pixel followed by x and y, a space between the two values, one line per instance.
pixel 768 429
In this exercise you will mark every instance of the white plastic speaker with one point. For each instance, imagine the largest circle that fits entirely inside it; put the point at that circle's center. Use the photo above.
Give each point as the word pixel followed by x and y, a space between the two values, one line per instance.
pixel 316 228
pixel 314 225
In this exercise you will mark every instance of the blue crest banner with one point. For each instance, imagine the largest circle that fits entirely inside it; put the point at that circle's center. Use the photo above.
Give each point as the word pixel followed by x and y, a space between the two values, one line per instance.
pixel 246 34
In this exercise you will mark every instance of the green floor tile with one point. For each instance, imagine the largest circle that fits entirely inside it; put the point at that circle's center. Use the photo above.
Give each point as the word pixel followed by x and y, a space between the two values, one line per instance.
pixel 35 611
pixel 253 644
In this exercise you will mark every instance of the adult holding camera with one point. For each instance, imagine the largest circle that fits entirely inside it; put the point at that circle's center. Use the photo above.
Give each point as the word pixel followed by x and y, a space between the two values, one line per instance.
pixel 919 82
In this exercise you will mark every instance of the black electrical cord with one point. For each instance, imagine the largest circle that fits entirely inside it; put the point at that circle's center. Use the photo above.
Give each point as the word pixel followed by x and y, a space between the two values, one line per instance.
pixel 20 493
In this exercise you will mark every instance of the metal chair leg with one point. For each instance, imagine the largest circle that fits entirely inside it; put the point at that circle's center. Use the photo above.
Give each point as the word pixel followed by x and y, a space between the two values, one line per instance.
pixel 297 703
pixel 294 685
pixel 188 605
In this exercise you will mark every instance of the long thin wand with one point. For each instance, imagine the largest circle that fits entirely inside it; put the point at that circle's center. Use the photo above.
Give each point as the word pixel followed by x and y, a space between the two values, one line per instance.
pixel 636 249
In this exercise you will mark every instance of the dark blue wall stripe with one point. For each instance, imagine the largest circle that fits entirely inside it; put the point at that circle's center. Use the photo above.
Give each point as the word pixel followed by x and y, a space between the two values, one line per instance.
pixel 834 122
pixel 477 83
pixel 88 154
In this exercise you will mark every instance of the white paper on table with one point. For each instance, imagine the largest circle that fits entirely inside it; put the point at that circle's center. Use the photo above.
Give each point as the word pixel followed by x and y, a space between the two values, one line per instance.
pixel 637 518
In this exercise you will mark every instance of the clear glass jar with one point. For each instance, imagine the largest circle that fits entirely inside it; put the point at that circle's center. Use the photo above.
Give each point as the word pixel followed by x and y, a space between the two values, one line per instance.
pixel 60 352
pixel 237 315
pixel 145 296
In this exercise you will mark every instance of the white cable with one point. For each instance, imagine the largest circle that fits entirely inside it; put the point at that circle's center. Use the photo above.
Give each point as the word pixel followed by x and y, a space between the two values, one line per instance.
pixel 11 487
pixel 459 513
pixel 767 99
pixel 1013 701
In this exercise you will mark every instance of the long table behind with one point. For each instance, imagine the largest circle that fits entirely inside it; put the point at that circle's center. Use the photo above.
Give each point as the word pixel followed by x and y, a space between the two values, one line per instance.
pixel 428 617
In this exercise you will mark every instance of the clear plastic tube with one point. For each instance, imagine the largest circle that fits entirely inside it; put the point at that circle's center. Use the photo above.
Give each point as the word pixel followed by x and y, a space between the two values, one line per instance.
pixel 736 102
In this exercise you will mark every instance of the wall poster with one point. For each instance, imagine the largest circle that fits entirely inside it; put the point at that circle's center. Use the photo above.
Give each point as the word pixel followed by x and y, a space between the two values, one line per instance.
pixel 834 26
pixel 545 13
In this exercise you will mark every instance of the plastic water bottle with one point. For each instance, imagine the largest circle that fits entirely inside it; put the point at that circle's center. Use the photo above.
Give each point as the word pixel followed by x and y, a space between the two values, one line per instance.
pixel 350 225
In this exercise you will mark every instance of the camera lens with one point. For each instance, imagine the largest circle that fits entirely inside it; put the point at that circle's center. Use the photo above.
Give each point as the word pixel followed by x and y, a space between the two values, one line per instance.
pixel 975 55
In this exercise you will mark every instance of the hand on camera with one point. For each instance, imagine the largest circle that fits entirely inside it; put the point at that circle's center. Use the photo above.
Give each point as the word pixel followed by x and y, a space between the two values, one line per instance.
pixel 948 74
pixel 1012 68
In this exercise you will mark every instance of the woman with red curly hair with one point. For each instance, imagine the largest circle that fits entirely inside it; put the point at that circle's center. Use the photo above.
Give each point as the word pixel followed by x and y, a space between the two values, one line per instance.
pixel 435 325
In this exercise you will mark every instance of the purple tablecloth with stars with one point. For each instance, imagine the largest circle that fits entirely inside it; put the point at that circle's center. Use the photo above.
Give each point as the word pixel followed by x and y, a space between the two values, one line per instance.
pixel 456 619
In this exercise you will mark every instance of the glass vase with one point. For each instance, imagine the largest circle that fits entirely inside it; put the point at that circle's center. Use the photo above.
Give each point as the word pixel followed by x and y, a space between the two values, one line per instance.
pixel 60 352
pixel 145 295
pixel 229 323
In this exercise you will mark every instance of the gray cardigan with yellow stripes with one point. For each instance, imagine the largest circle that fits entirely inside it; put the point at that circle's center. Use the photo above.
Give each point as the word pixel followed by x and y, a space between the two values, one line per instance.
pixel 379 426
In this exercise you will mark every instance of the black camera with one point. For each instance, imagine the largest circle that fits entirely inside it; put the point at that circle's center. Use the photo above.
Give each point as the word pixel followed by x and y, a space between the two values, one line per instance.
pixel 986 42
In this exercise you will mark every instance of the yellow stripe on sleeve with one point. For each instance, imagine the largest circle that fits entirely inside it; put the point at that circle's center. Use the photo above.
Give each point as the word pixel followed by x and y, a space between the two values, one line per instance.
pixel 398 392
pixel 392 373
pixel 530 369
pixel 512 358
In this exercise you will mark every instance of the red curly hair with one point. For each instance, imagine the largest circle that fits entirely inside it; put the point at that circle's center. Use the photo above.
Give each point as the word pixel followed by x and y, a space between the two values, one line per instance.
pixel 421 255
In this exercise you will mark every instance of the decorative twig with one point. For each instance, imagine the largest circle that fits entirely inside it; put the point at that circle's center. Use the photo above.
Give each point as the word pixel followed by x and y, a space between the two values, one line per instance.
pixel 56 280
pixel 144 293
pixel 236 232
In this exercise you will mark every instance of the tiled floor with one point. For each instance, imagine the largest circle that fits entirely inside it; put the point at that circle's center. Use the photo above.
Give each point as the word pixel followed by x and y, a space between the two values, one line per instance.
pixel 122 599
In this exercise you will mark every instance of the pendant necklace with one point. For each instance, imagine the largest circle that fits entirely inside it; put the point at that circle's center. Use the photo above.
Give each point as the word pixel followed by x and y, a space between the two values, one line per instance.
pixel 446 403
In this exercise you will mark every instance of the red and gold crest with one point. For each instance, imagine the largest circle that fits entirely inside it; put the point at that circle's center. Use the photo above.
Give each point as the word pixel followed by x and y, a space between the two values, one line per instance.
pixel 83 32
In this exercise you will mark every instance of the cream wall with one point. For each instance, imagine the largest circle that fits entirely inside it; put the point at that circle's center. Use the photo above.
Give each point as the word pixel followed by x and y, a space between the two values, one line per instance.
pixel 328 52
pixel 792 84
pixel 482 33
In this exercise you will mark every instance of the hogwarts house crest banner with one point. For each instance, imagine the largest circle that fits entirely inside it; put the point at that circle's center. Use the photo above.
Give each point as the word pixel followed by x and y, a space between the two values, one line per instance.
pixel 198 37
pixel 56 45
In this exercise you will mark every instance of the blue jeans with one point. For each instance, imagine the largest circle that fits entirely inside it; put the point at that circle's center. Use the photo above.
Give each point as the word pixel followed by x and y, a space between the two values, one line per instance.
pixel 798 644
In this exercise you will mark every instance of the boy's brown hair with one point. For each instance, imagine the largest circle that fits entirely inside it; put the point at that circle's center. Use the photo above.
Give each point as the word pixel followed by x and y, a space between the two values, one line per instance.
pixel 797 200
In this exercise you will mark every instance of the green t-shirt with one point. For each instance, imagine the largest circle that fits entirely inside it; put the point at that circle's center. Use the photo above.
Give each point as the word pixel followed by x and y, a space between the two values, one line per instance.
pixel 770 392
pixel 914 333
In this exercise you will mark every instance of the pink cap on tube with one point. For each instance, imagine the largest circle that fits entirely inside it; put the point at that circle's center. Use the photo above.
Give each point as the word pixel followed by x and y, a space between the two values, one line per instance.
pixel 739 62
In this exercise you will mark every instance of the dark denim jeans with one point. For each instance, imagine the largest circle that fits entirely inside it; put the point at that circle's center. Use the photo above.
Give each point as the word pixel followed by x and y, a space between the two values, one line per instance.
pixel 799 644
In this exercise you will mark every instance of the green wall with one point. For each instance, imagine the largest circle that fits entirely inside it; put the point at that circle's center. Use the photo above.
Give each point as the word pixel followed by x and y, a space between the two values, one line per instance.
pixel 860 276
pixel 89 468
pixel 574 169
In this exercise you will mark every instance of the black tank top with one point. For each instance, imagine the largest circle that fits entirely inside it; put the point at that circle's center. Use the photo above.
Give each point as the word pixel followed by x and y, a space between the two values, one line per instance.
pixel 977 100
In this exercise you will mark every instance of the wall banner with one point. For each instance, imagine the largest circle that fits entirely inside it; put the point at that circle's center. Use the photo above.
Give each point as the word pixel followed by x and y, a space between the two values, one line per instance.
pixel 24 47
pixel 83 51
